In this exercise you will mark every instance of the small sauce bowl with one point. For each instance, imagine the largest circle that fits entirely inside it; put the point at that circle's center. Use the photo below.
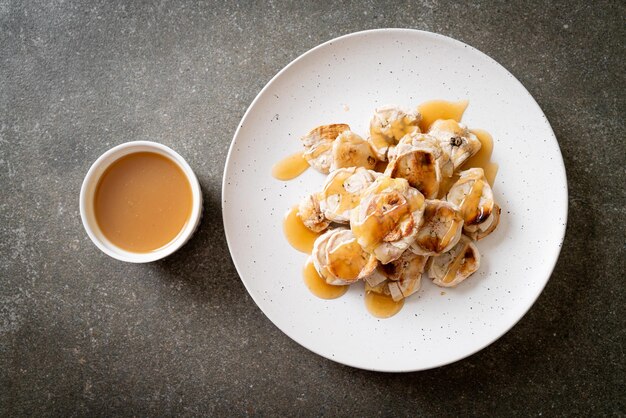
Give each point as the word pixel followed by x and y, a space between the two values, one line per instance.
pixel 88 191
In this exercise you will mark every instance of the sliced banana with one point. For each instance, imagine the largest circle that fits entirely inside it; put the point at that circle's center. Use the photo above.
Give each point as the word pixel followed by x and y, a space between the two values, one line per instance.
pixel 458 142
pixel 342 192
pixel 339 259
pixel 451 268
pixel 425 141
pixel 376 278
pixel 398 279
pixel 417 158
pixel 350 150
pixel 441 228
pixel 474 197
pixel 311 214
pixel 318 145
pixel 478 232
pixel 404 274
pixel 381 288
pixel 388 125
pixel 387 218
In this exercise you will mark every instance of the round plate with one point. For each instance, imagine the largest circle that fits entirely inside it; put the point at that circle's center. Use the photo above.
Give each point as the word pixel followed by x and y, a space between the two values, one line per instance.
pixel 343 81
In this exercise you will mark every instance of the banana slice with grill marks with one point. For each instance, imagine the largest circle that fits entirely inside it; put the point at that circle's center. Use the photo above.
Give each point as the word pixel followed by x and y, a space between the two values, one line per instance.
pixel 387 218
pixel 417 158
pixel 311 214
pixel 388 125
pixel 350 150
pixel 318 145
pixel 458 142
pixel 440 230
pixel 478 232
pixel 404 274
pixel 339 259
pixel 451 268
pixel 342 192
pixel 474 197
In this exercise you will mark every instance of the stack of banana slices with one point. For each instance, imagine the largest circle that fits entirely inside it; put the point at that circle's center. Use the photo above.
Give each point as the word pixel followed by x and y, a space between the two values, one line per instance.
pixel 389 228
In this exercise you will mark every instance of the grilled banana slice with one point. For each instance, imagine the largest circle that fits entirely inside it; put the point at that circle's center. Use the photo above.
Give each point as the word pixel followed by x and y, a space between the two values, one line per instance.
pixel 318 145
pixel 311 214
pixel 458 142
pixel 478 232
pixel 398 279
pixel 339 259
pixel 388 125
pixel 474 197
pixel 417 158
pixel 387 218
pixel 342 192
pixel 350 150
pixel 404 274
pixel 440 230
pixel 451 268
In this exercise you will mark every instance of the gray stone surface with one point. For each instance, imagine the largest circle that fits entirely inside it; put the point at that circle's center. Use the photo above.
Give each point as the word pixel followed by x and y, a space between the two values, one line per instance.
pixel 82 334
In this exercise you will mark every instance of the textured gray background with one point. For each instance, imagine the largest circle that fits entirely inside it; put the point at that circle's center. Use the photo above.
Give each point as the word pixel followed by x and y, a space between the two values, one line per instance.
pixel 82 334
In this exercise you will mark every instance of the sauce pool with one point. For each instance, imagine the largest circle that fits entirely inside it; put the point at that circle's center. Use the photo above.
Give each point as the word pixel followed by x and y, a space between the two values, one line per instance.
pixel 440 109
pixel 290 167
pixel 318 286
pixel 482 158
pixel 142 201
pixel 382 306
pixel 299 236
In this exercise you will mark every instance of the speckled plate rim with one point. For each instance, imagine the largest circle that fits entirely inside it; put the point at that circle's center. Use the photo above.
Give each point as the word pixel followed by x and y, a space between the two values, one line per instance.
pixel 562 180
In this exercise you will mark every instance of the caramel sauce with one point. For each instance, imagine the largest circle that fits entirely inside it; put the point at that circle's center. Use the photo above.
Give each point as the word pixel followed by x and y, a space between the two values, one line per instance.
pixel 385 211
pixel 470 205
pixel 318 286
pixel 440 109
pixel 482 158
pixel 398 128
pixel 383 183
pixel 381 305
pixel 347 260
pixel 337 187
pixel 290 167
pixel 299 236
pixel 142 201
pixel 456 265
pixel 447 125
pixel 450 233
pixel 446 184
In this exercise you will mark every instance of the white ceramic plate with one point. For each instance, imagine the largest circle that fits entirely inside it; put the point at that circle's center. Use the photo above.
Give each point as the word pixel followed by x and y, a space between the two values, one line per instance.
pixel 343 80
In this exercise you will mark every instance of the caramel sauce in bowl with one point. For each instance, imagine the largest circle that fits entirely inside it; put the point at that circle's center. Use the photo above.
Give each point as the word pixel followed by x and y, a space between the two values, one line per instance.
pixel 140 201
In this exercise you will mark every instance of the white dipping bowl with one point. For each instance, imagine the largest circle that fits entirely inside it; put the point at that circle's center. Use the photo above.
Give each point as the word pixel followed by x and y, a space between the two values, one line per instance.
pixel 88 190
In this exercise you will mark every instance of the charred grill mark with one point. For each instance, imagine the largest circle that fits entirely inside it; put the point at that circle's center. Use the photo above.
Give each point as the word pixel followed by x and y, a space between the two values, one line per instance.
pixel 478 217
pixel 430 243
pixel 426 159
pixel 390 269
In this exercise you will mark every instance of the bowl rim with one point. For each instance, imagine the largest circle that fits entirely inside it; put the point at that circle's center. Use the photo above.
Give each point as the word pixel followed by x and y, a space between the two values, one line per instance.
pixel 93 177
